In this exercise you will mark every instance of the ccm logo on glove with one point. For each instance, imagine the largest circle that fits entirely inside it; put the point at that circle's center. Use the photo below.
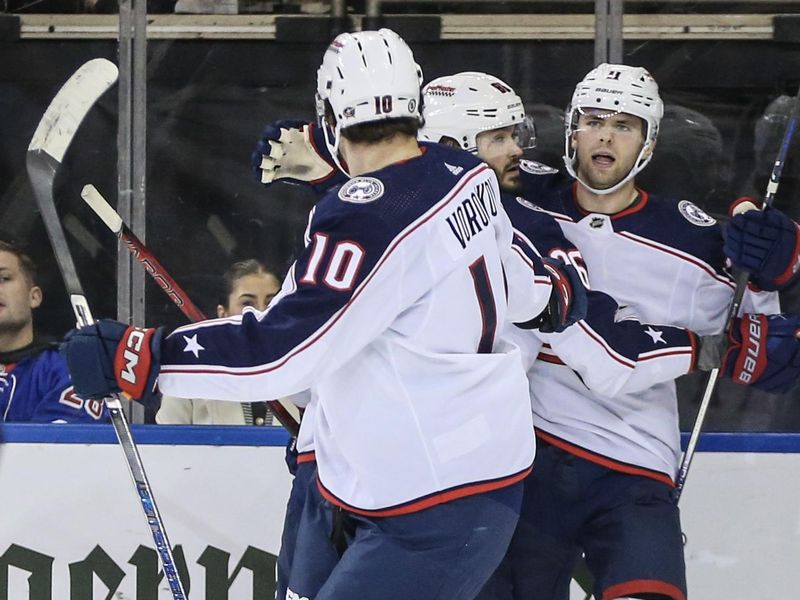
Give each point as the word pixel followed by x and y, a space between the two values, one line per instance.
pixel 133 360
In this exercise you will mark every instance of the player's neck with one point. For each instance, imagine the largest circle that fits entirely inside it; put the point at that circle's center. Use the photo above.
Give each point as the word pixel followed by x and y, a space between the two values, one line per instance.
pixel 11 340
pixel 608 204
pixel 365 158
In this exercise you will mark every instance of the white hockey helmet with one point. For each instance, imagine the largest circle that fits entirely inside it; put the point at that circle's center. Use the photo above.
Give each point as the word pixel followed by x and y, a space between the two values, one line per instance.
pixel 369 76
pixel 621 89
pixel 463 105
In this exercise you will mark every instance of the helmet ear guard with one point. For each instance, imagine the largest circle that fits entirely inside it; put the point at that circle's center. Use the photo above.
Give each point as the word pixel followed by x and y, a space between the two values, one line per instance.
pixel 619 89
pixel 462 106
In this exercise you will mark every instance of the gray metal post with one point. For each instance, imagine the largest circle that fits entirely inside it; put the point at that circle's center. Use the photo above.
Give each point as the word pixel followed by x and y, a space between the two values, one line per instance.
pixel 131 161
pixel 608 31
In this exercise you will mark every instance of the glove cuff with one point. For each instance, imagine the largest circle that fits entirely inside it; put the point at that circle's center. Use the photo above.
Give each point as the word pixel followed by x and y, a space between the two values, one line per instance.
pixel 790 273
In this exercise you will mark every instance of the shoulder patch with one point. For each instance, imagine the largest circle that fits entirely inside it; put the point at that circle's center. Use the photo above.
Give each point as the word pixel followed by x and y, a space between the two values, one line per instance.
pixel 528 204
pixel 694 214
pixel 361 190
pixel 536 168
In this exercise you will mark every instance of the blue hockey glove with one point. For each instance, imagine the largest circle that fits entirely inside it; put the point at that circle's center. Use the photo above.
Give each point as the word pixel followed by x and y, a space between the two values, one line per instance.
pixel 764 352
pixel 295 152
pixel 765 243
pixel 568 301
pixel 109 357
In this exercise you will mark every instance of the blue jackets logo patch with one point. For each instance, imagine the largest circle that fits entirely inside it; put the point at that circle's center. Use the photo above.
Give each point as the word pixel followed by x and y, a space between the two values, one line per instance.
pixel 536 168
pixel 361 190
pixel 694 214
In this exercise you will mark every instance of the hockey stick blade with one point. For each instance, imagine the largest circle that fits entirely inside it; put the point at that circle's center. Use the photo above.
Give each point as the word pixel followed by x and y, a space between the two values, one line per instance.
pixel 738 295
pixel 70 105
pixel 48 146
pixel 115 223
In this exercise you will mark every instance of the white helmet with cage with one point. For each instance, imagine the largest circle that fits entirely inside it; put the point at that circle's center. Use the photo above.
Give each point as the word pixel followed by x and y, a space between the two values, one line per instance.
pixel 463 105
pixel 620 89
pixel 368 76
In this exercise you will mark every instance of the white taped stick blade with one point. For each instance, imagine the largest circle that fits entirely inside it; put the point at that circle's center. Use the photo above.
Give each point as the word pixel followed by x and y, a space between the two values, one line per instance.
pixel 102 208
pixel 70 105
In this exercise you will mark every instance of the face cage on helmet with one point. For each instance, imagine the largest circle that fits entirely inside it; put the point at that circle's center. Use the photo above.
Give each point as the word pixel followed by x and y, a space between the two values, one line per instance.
pixel 571 155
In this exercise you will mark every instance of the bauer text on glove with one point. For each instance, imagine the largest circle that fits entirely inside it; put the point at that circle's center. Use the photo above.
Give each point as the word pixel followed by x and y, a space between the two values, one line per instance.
pixel 764 352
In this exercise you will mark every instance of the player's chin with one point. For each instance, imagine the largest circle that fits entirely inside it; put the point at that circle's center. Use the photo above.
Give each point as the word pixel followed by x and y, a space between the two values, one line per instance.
pixel 510 182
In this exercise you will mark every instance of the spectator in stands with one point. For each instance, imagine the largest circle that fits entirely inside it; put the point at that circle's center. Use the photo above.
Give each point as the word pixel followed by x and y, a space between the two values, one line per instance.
pixel 246 283
pixel 34 381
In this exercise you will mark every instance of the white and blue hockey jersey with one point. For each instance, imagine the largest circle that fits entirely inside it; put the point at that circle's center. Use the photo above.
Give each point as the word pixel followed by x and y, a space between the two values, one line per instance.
pixel 391 319
pixel 662 261
pixel 35 387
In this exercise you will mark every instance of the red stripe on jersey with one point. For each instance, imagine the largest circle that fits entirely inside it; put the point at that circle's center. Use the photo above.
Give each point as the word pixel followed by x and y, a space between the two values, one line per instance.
pixel 304 457
pixel 643 586
pixel 604 461
pixel 469 489
pixel 549 358
pixel 693 339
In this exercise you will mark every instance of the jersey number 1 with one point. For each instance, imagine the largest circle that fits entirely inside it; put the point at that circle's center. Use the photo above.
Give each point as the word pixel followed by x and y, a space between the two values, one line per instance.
pixel 483 290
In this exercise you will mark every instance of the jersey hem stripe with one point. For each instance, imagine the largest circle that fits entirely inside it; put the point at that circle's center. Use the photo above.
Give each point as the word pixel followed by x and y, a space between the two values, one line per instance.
pixel 305 457
pixel 441 497
pixel 604 461
pixel 643 586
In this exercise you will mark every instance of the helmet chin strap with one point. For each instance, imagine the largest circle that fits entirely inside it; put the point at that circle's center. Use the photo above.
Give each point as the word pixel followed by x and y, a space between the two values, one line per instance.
pixel 333 145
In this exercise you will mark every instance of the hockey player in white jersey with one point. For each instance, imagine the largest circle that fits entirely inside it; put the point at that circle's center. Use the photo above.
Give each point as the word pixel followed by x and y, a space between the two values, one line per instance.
pixel 606 466
pixel 422 423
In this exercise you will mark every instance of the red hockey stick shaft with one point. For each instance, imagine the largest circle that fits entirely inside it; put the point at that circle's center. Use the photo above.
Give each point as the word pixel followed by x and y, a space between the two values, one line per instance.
pixel 157 271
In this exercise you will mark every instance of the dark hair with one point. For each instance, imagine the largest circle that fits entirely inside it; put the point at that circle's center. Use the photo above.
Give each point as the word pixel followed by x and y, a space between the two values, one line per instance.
pixel 27 266
pixel 375 131
pixel 236 271
pixel 446 140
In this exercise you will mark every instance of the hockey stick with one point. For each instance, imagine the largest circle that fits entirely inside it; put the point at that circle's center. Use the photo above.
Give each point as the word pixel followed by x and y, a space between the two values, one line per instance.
pixel 45 153
pixel 741 286
pixel 114 222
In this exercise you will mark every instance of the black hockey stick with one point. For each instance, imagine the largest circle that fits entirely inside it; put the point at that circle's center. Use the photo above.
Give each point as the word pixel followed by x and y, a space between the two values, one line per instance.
pixel 741 285
pixel 142 253
pixel 45 153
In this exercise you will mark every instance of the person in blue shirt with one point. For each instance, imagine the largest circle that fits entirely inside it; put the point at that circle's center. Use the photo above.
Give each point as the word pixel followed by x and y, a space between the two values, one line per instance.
pixel 35 386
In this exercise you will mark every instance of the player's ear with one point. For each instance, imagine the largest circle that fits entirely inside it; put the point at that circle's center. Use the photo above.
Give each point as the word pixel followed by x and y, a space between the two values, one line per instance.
pixel 35 296
pixel 650 150
pixel 221 312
